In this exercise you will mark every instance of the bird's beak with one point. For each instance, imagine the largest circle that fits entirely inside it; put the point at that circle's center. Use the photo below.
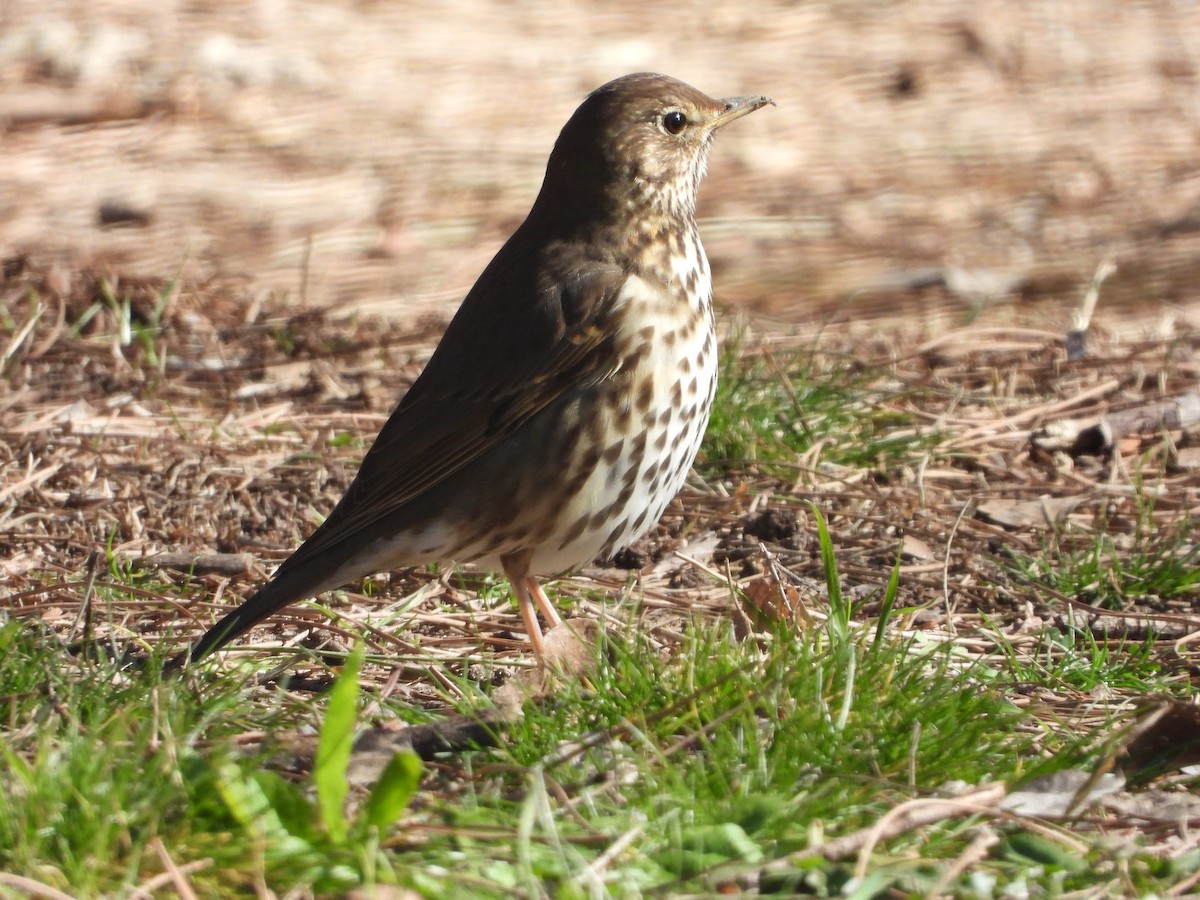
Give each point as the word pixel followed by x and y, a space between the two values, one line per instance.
pixel 736 107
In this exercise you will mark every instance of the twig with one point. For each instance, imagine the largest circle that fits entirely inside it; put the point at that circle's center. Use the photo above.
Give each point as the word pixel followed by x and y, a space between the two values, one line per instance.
pixel 32 888
pixel 227 564
pixel 906 817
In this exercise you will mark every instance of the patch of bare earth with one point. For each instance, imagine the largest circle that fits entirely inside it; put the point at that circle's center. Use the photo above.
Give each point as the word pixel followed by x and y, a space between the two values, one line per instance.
pixel 230 427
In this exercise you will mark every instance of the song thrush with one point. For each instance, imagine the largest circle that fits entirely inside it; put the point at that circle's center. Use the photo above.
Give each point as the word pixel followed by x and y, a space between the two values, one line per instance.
pixel 566 401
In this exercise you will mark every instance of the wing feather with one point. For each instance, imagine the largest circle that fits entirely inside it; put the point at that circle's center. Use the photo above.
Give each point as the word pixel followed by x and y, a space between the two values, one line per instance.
pixel 530 330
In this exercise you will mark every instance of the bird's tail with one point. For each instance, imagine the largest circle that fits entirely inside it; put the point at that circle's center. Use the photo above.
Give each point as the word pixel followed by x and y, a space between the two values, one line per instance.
pixel 283 590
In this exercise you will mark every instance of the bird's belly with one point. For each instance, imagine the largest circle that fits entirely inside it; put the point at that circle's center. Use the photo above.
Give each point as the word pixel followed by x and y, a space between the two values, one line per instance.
pixel 652 427
pixel 591 472
pixel 615 454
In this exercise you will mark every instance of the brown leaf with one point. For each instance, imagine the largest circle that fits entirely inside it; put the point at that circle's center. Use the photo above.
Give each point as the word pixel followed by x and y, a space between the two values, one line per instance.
pixel 569 654
pixel 765 602
pixel 1024 514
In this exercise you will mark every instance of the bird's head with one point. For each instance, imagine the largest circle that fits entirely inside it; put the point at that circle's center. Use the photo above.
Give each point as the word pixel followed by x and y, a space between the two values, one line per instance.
pixel 638 143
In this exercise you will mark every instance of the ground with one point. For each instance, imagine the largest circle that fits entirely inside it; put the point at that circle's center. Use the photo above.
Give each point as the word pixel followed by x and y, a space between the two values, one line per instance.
pixel 232 233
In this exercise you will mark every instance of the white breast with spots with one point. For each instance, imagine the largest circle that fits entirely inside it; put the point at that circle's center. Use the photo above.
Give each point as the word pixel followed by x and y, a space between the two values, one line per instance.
pixel 657 424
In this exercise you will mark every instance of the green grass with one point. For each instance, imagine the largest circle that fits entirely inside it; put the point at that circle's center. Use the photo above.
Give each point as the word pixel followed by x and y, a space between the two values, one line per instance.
pixel 97 770
pixel 718 758
pixel 771 408
pixel 109 762
pixel 730 754
pixel 1152 565
pixel 716 765
pixel 711 768
pixel 1078 661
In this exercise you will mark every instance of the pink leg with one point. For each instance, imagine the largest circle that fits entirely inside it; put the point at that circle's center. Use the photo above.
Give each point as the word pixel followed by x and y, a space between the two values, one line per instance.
pixel 529 593
pixel 542 601
pixel 528 614
pixel 516 570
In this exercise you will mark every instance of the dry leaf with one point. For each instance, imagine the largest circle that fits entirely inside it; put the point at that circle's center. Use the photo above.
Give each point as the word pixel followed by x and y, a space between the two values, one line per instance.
pixel 1062 793
pixel 765 601
pixel 1023 514
pixel 569 654
pixel 915 549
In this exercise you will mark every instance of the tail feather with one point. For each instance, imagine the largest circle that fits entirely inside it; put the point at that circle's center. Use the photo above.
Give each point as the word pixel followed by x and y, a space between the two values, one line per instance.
pixel 282 591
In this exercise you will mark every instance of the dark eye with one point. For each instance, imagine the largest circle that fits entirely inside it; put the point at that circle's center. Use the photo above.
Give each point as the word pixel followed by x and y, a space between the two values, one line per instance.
pixel 674 121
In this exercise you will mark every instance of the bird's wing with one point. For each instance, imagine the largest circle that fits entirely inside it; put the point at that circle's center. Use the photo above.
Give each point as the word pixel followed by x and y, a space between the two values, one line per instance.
pixel 525 335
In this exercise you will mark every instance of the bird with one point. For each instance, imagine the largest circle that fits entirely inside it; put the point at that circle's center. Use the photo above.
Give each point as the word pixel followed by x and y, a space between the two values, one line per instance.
pixel 566 401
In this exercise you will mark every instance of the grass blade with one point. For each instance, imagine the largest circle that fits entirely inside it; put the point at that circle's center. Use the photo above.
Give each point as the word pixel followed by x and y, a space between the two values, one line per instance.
pixel 394 790
pixel 333 749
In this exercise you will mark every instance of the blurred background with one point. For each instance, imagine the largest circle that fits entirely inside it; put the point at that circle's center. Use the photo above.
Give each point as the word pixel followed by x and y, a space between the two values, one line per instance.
pixel 929 161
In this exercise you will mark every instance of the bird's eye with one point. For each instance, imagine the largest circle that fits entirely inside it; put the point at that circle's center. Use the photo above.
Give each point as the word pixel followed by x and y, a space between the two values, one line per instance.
pixel 674 121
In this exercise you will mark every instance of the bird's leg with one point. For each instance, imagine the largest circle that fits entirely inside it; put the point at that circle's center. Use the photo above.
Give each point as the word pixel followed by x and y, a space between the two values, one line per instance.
pixel 542 601
pixel 516 570
pixel 529 615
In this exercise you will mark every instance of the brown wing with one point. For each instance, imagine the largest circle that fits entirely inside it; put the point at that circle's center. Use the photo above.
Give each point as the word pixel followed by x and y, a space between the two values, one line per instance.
pixel 534 326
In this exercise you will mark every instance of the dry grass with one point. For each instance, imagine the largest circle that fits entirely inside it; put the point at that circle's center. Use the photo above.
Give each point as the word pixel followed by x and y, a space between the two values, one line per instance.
pixel 219 434
pixel 223 431
pixel 924 156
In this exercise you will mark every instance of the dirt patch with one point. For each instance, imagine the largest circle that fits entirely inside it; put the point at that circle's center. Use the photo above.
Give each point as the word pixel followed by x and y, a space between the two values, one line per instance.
pixel 183 425
pixel 231 242
pixel 926 161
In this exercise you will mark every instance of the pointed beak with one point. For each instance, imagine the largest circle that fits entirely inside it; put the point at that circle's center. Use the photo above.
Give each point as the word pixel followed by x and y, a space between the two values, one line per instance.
pixel 736 107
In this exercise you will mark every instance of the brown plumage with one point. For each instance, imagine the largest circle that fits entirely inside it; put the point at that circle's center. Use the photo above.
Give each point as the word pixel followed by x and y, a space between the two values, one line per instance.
pixel 566 401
